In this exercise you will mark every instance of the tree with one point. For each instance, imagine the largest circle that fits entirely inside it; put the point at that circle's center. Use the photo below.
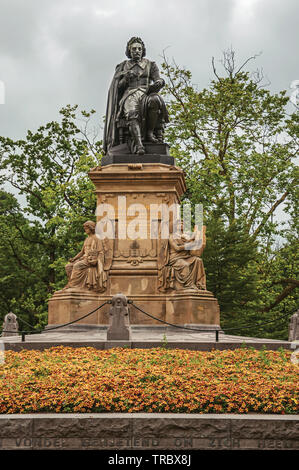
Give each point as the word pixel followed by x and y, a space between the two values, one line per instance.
pixel 49 170
pixel 237 145
pixel 23 266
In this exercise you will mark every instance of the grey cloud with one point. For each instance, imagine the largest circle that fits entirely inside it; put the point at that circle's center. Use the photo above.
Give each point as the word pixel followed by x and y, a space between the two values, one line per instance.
pixel 65 51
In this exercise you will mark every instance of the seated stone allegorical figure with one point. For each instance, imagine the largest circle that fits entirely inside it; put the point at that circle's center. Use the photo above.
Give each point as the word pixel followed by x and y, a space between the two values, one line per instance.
pixel 10 325
pixel 181 266
pixel 89 268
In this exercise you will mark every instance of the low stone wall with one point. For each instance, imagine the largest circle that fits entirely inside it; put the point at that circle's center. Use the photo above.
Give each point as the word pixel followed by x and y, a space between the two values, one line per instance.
pixel 195 346
pixel 146 431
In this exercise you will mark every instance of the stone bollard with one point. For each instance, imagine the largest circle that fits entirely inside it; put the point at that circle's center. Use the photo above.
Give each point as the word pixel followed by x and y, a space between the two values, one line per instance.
pixel 10 325
pixel 294 327
pixel 295 357
pixel 119 324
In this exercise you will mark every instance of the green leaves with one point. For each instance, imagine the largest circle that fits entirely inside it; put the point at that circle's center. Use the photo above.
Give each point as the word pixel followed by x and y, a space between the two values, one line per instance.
pixel 237 146
pixel 48 169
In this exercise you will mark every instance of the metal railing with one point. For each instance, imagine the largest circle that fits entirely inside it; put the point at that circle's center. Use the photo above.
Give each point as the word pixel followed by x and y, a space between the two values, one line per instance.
pixel 178 326
pixel 26 332
pixel 201 330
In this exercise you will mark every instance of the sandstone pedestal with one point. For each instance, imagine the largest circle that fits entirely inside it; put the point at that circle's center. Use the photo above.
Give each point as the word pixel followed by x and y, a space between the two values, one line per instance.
pixel 193 309
pixel 132 188
pixel 185 309
pixel 69 305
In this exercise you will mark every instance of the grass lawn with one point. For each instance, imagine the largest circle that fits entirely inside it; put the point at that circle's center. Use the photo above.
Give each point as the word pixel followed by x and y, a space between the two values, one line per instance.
pixel 63 379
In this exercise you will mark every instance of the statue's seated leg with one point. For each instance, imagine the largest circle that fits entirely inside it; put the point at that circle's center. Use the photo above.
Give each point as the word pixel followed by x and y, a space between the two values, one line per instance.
pixel 69 269
pixel 79 274
pixel 153 111
pixel 186 274
pixel 160 126
pixel 135 132
pixel 131 106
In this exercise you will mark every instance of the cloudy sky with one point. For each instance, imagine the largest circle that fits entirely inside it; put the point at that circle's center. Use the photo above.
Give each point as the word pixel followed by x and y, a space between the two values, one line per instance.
pixel 58 52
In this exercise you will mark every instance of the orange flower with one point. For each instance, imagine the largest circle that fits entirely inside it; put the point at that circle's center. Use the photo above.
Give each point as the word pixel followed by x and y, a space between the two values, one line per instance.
pixel 65 379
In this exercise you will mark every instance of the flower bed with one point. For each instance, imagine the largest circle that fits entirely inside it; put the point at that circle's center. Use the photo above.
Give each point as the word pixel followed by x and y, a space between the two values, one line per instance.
pixel 63 379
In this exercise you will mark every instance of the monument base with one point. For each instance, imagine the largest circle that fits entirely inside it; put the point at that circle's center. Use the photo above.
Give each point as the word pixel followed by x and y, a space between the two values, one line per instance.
pixel 154 153
pixel 134 264
pixel 68 305
pixel 193 308
pixel 186 308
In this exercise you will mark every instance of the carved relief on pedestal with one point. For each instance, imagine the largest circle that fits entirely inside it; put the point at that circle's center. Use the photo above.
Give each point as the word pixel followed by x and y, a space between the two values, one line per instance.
pixel 136 251
pixel 129 247
pixel 105 197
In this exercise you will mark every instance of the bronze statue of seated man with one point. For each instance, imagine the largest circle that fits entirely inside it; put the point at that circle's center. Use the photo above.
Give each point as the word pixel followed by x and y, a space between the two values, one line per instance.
pixel 134 102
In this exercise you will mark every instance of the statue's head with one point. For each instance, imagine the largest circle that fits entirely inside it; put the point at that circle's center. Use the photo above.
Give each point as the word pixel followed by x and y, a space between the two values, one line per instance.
pixel 89 226
pixel 135 48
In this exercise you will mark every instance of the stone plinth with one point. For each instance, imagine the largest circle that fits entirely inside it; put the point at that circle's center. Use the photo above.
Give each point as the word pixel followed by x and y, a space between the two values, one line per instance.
pixel 69 305
pixel 155 153
pixel 189 308
pixel 10 325
pixel 137 187
pixel 294 327
pixel 180 309
pixel 119 324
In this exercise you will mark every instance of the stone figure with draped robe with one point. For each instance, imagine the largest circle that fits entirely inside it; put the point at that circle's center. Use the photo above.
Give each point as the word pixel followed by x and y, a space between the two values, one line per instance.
pixel 89 268
pixel 180 264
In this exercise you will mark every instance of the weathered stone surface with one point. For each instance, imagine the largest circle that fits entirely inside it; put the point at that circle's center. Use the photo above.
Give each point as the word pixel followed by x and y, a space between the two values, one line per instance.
pixel 149 431
pixel 180 343
pixel 67 306
pixel 119 325
pixel 265 429
pixel 294 327
pixel 10 325
pixel 161 157
pixel 78 427
pixel 134 265
pixel 88 269
pixel 15 426
pixel 199 310
pixel 172 427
